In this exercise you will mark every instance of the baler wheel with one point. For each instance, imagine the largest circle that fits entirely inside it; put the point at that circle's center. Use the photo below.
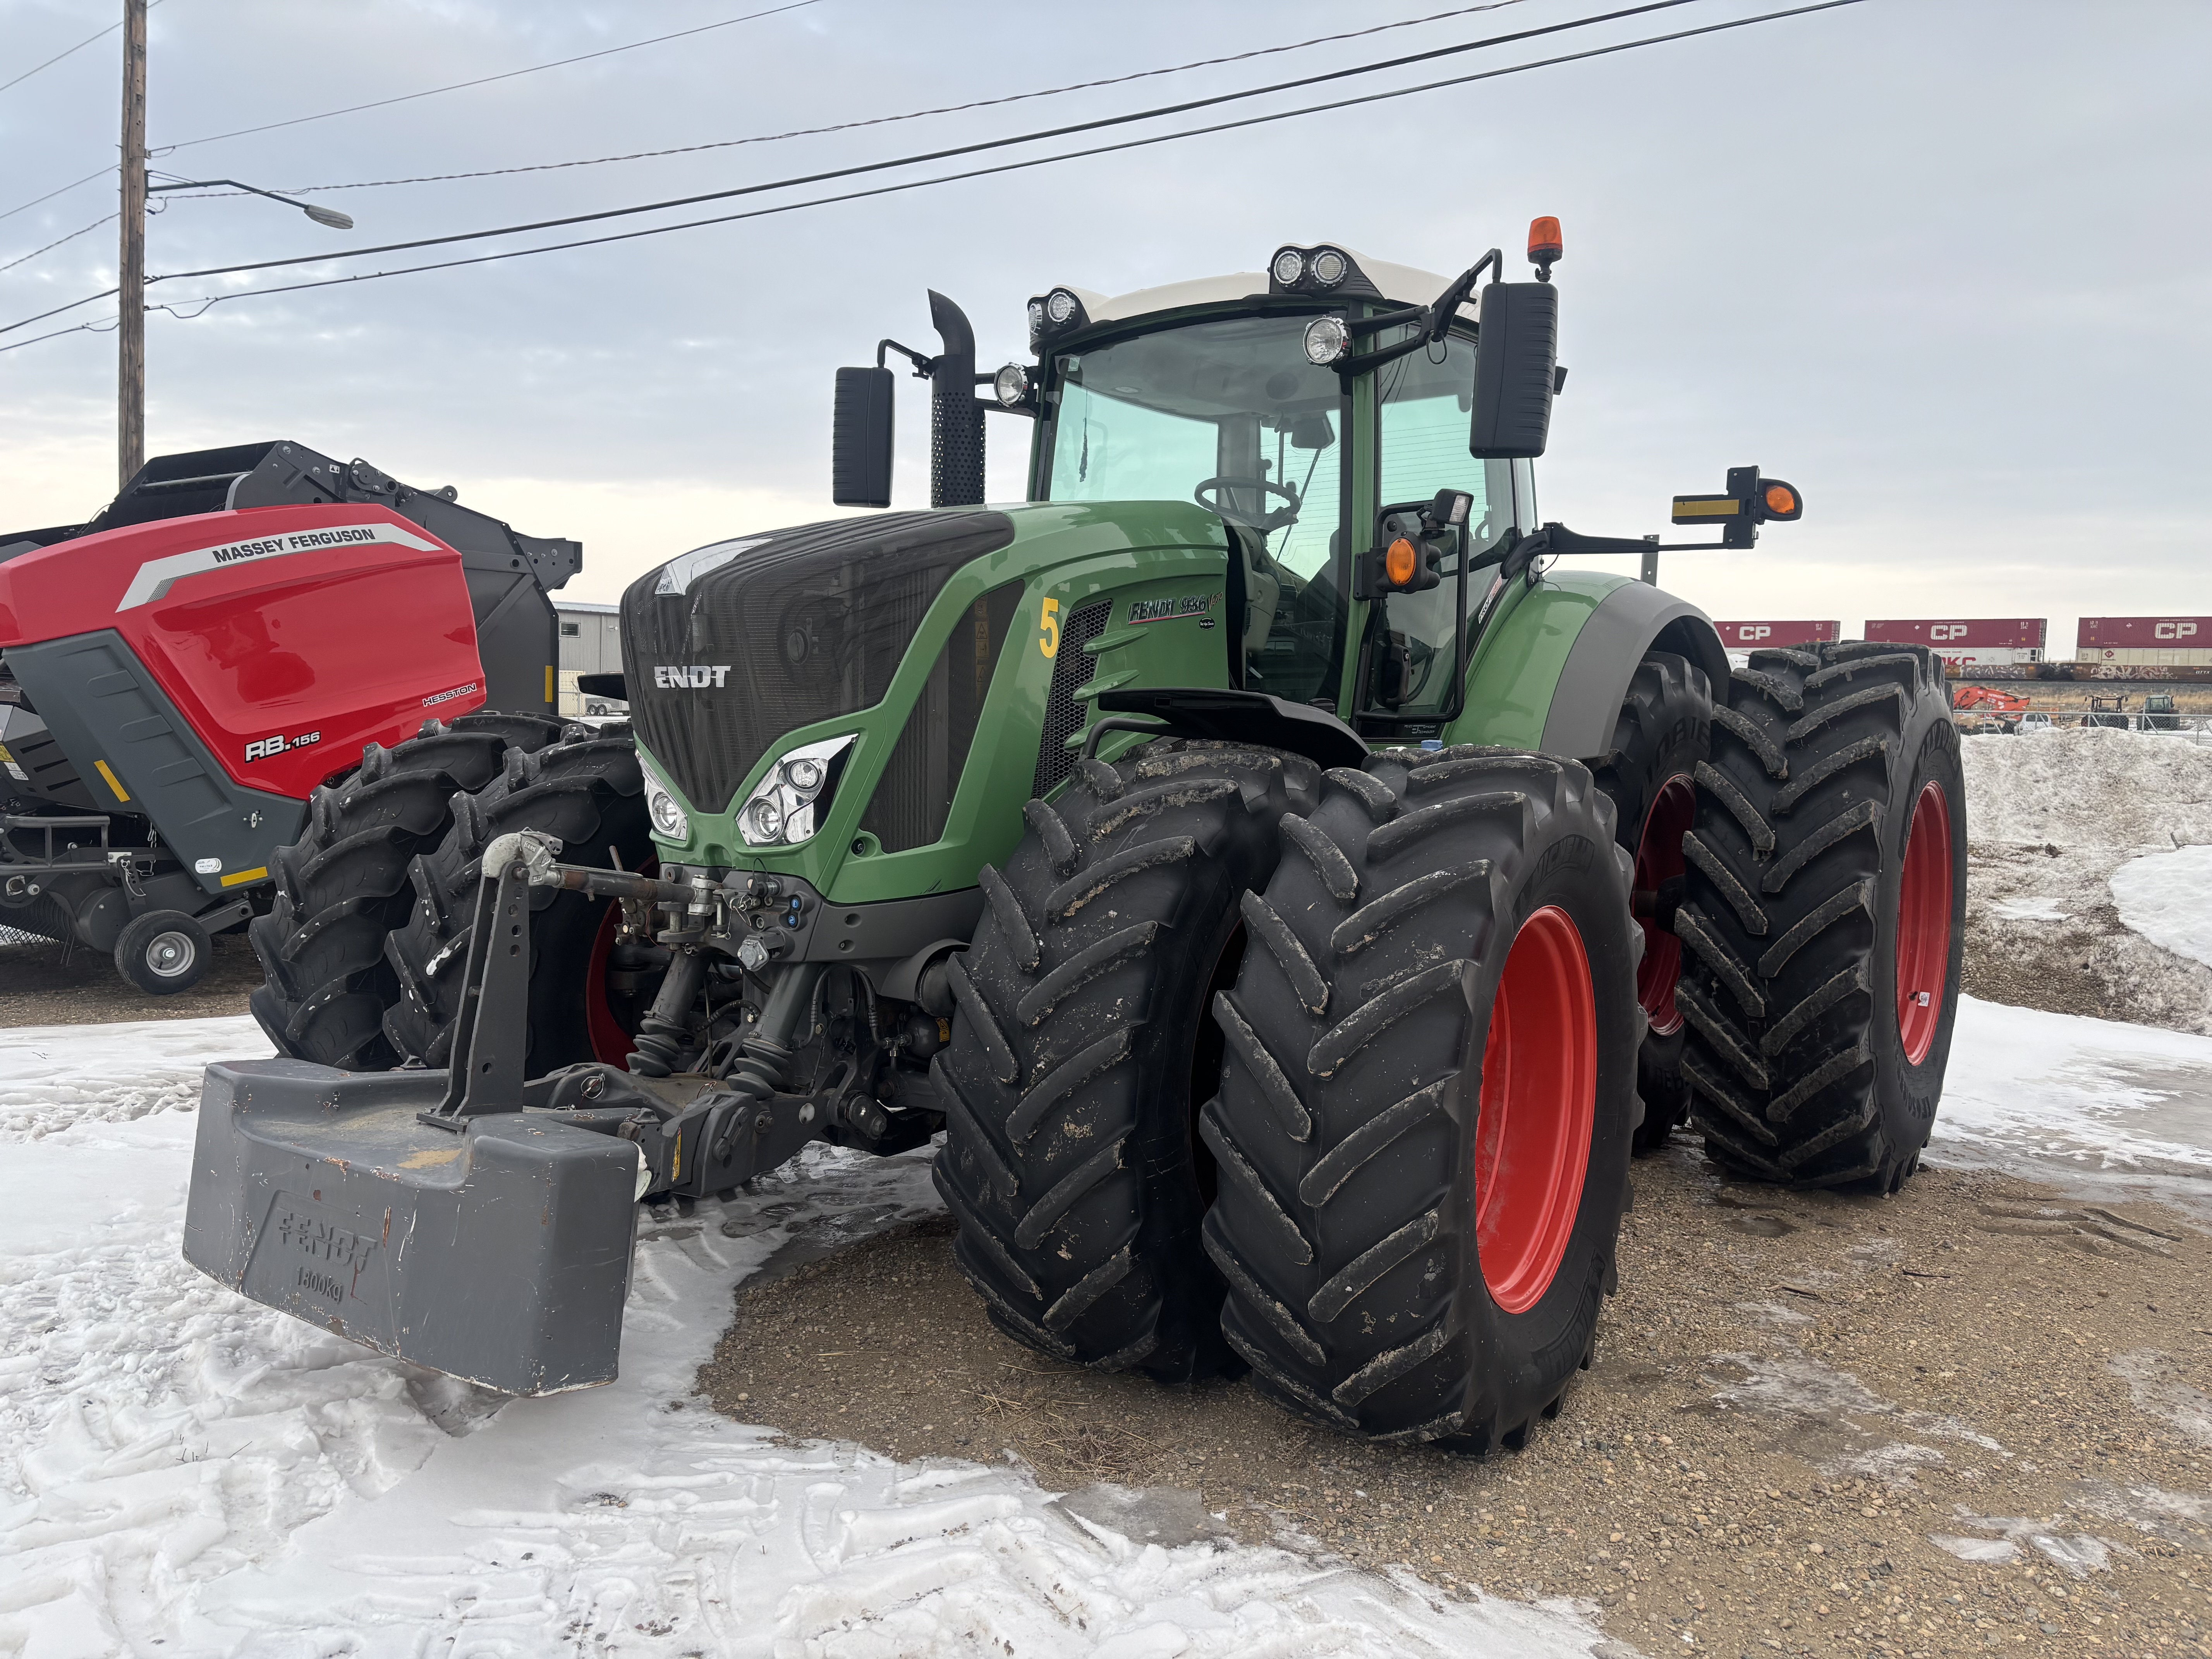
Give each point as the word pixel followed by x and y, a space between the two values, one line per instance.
pixel 1824 923
pixel 163 952
pixel 1661 737
pixel 1423 1129
pixel 1082 1046
pixel 586 790
pixel 343 886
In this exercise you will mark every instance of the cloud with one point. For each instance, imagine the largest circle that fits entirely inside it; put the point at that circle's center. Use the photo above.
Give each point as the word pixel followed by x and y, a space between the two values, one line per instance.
pixel 1932 272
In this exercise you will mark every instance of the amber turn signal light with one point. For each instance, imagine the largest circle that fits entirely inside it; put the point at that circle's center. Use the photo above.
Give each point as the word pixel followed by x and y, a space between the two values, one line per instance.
pixel 1401 563
pixel 1781 499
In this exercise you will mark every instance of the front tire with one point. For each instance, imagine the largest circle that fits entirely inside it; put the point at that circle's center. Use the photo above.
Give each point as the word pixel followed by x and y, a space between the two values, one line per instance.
pixel 1424 1125
pixel 588 793
pixel 343 886
pixel 1082 1042
pixel 1825 920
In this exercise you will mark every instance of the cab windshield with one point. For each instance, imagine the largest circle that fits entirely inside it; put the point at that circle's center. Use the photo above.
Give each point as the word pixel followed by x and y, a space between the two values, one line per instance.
pixel 1230 415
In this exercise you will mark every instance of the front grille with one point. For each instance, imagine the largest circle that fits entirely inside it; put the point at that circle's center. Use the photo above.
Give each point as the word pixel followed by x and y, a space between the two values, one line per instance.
pixel 798 626
pixel 915 795
pixel 1063 715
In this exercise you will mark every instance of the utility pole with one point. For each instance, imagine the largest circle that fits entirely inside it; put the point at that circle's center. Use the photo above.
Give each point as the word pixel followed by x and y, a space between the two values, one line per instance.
pixel 130 280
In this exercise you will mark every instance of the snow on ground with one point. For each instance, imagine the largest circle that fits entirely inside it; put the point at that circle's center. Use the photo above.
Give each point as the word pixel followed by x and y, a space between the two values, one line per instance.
pixel 2061 1098
pixel 184 1472
pixel 2051 818
pixel 2167 899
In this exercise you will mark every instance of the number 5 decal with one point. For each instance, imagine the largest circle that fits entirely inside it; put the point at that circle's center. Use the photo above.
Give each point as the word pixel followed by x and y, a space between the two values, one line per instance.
pixel 1049 634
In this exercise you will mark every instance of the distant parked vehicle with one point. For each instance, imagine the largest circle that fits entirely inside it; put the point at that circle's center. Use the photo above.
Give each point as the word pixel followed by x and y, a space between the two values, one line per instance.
pixel 2034 723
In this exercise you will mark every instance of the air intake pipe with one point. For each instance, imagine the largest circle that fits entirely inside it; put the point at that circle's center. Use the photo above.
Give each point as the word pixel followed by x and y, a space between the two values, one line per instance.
pixel 956 414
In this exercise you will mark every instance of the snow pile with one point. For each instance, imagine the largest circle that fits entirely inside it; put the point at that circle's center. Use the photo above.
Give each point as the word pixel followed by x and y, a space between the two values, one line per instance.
pixel 2051 818
pixel 2088 786
pixel 180 1467
pixel 2167 899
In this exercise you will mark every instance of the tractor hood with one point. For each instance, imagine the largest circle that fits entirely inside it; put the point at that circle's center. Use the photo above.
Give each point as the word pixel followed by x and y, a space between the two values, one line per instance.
pixel 727 648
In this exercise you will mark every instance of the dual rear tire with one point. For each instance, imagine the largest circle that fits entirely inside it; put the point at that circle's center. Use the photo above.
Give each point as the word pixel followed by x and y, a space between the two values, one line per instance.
pixel 1409 1202
pixel 1439 983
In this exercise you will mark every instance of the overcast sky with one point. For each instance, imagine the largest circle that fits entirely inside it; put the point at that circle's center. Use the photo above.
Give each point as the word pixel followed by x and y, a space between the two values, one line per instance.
pixel 1943 265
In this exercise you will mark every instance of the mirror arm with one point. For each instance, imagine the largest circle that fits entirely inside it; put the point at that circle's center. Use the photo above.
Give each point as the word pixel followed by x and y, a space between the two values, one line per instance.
pixel 1435 319
pixel 923 366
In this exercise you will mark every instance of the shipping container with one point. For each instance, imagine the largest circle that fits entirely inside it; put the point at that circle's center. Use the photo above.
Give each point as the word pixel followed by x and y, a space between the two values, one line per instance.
pixel 2143 634
pixel 2141 657
pixel 1955 635
pixel 1751 636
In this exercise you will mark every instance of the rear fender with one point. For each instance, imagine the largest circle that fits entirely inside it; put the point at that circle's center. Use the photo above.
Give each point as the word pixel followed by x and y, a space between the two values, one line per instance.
pixel 1555 661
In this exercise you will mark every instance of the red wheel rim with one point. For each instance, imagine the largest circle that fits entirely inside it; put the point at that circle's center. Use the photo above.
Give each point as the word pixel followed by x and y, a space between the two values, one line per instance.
pixel 1923 923
pixel 1659 860
pixel 1532 1136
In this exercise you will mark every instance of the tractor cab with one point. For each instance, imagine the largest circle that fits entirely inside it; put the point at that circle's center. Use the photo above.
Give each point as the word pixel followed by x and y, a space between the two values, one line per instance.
pixel 1208 391
pixel 1317 408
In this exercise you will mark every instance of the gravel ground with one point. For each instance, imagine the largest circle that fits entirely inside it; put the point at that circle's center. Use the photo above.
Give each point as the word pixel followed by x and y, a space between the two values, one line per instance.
pixel 38 989
pixel 1796 1396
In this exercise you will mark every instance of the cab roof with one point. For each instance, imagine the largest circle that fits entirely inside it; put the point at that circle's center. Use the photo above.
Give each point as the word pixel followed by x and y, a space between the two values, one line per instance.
pixel 1400 284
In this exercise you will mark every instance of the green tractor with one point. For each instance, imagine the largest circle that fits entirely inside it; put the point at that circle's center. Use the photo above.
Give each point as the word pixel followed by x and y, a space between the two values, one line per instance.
pixel 1293 890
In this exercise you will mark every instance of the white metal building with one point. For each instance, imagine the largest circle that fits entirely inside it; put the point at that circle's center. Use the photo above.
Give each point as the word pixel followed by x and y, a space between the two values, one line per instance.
pixel 590 643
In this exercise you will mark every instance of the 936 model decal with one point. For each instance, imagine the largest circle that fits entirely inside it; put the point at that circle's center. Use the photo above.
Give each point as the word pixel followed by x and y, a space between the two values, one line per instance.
pixel 1187 605
pixel 269 748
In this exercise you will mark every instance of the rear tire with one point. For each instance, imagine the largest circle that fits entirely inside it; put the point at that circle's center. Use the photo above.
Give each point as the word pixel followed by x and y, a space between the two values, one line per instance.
pixel 163 952
pixel 1385 1277
pixel 1662 737
pixel 587 792
pixel 1082 1042
pixel 343 886
pixel 1829 862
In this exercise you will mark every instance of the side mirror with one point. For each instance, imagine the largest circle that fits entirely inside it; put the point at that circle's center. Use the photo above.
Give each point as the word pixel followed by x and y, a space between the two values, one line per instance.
pixel 860 439
pixel 1515 361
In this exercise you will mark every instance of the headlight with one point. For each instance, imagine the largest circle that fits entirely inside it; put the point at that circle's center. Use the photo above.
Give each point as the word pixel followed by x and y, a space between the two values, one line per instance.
pixel 1290 265
pixel 667 815
pixel 1059 305
pixel 1326 340
pixel 1329 267
pixel 1011 383
pixel 786 807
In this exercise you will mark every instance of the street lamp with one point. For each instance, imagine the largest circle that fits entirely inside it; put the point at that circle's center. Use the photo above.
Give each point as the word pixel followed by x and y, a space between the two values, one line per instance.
pixel 321 215
pixel 130 289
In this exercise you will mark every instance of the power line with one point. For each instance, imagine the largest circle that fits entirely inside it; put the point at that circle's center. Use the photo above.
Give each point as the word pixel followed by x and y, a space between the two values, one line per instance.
pixel 22 258
pixel 100 172
pixel 209 301
pixel 916 115
pixel 58 58
pixel 105 325
pixel 433 92
pixel 1037 137
pixel 487 80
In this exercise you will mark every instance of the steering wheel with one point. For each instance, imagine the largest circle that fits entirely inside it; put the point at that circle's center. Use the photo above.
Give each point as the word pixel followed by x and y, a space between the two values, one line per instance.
pixel 1208 496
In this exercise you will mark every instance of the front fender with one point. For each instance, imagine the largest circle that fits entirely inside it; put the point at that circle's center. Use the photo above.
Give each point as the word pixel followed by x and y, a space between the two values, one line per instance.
pixel 1555 661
